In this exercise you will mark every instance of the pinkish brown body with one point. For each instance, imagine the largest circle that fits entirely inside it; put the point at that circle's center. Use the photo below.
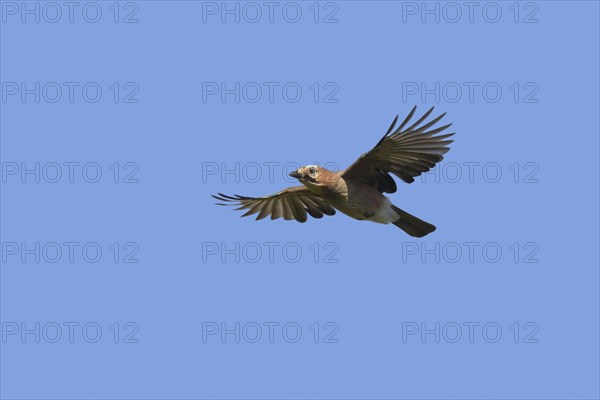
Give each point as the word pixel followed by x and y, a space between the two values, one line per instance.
pixel 353 198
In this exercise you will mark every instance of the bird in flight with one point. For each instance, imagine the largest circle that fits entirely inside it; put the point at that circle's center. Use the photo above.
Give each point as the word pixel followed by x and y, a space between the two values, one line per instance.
pixel 357 191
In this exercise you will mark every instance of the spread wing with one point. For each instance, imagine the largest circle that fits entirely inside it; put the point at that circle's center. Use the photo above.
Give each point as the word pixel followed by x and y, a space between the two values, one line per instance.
pixel 405 152
pixel 291 203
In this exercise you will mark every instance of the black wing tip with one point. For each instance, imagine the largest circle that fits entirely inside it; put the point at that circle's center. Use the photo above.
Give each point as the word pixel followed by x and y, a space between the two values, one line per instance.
pixel 235 197
pixel 226 200
pixel 407 119
pixel 223 197
pixel 392 125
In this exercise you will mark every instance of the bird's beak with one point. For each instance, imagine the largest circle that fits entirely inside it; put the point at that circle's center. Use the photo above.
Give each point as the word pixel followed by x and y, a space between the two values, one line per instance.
pixel 295 174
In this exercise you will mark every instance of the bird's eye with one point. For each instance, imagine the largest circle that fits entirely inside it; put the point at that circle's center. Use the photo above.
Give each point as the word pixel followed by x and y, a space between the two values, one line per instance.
pixel 312 171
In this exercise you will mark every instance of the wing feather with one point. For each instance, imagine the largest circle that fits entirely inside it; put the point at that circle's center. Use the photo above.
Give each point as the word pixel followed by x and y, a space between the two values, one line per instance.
pixel 292 203
pixel 406 153
pixel 297 209
pixel 311 207
pixel 277 209
pixel 266 210
pixel 288 213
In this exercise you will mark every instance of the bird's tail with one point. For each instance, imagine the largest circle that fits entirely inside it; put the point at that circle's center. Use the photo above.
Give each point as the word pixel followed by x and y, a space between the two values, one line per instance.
pixel 411 224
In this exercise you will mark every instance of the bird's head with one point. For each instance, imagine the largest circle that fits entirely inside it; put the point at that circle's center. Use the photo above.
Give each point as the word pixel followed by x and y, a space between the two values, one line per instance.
pixel 308 175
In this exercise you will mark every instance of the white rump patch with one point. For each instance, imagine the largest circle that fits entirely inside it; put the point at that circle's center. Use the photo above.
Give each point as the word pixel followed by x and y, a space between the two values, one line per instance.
pixel 385 214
